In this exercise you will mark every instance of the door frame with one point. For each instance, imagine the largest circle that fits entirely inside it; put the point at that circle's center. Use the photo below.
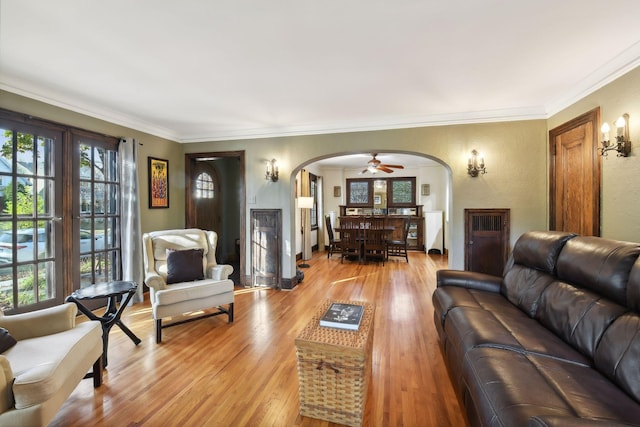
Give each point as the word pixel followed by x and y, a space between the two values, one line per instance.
pixel 592 116
pixel 189 206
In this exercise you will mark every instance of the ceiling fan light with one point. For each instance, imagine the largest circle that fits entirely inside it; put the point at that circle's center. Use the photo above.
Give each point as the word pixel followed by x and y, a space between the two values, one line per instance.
pixel 372 169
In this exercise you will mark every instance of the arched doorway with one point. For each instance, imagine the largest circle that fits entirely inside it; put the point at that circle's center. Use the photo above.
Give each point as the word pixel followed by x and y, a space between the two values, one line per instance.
pixel 433 185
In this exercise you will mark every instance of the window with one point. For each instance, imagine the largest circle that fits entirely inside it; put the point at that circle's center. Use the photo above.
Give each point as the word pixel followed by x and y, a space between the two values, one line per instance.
pixel 59 201
pixel 360 192
pixel 204 186
pixel 401 192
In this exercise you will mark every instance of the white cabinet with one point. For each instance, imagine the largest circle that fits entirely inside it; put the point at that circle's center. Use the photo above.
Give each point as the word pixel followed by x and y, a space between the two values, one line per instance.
pixel 433 231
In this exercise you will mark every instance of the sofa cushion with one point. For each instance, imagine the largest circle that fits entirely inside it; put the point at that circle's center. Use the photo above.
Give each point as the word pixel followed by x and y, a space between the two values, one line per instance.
pixel 185 291
pixel 618 355
pixel 523 287
pixel 633 287
pixel 449 297
pixel 540 249
pixel 6 340
pixel 578 316
pixel 515 387
pixel 184 265
pixel 39 373
pixel 600 265
pixel 502 325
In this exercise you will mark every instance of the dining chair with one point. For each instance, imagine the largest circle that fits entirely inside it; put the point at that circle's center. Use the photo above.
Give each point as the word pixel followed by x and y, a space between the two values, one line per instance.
pixel 398 247
pixel 375 244
pixel 351 243
pixel 376 222
pixel 334 244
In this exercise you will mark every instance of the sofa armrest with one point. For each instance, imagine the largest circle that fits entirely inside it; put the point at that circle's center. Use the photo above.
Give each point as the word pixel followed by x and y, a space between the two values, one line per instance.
pixel 41 322
pixel 6 383
pixel 469 280
pixel 219 271
pixel 568 421
pixel 155 281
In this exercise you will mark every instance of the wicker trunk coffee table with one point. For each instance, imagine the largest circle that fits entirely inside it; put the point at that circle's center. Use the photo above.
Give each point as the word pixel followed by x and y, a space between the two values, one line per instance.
pixel 334 368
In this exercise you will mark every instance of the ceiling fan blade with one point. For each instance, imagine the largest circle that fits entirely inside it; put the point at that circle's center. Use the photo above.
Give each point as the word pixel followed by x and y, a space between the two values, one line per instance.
pixel 384 169
pixel 363 172
pixel 392 166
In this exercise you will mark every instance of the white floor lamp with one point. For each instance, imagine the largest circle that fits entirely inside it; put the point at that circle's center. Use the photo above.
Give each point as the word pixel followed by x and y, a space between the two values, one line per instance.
pixel 305 203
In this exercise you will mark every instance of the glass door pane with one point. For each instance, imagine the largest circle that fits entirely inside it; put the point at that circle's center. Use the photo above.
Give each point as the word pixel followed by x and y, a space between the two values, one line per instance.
pixel 98 206
pixel 29 213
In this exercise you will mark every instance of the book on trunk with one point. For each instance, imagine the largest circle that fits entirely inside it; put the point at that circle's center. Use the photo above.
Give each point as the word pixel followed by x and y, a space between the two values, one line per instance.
pixel 343 316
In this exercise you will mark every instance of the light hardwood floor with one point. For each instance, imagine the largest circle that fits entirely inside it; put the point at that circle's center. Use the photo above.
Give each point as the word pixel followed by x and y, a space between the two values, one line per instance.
pixel 211 373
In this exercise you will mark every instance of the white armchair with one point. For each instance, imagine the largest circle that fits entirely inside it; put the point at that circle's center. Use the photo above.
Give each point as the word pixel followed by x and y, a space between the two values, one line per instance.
pixel 183 276
pixel 51 355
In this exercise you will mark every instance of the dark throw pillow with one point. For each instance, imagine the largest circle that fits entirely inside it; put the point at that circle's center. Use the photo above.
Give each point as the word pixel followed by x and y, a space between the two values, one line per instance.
pixel 6 340
pixel 184 266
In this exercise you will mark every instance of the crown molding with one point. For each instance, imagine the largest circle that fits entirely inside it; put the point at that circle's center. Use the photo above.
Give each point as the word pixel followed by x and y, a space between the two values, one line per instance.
pixel 57 100
pixel 613 69
pixel 504 115
pixel 621 64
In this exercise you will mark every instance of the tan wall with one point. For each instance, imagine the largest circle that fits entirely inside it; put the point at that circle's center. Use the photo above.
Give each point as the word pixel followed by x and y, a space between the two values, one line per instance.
pixel 152 219
pixel 515 154
pixel 620 192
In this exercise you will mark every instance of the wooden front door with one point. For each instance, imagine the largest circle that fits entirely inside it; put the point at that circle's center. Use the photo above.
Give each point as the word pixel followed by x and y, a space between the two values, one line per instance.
pixel 215 200
pixel 486 240
pixel 574 192
pixel 206 193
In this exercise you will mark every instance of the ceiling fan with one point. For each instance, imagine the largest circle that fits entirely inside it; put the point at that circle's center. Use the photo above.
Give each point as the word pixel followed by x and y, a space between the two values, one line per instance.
pixel 375 165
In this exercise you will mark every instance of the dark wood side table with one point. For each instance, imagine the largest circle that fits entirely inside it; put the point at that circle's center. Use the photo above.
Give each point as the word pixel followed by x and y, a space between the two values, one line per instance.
pixel 111 316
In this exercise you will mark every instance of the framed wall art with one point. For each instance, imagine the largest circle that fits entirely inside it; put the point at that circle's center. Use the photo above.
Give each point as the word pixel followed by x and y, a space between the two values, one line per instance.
pixel 158 183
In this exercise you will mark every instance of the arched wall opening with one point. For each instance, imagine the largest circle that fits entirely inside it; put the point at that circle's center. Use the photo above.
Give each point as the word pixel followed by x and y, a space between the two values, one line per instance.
pixel 332 176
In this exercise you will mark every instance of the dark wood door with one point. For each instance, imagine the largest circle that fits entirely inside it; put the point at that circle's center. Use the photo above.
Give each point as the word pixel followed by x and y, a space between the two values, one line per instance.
pixel 206 193
pixel 219 207
pixel 574 192
pixel 486 240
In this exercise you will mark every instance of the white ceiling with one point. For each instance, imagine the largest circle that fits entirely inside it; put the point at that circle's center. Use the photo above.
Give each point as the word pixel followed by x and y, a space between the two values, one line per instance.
pixel 203 70
pixel 359 162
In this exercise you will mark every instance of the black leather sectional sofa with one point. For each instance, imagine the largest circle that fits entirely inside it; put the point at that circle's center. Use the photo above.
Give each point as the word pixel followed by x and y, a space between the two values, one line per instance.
pixel 554 342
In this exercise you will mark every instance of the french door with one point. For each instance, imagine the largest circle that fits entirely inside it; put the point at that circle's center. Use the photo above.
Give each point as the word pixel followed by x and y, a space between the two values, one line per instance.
pixel 96 211
pixel 30 216
pixel 59 211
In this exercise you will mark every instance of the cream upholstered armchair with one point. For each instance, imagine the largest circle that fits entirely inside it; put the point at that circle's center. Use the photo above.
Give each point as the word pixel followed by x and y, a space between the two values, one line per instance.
pixel 44 356
pixel 183 276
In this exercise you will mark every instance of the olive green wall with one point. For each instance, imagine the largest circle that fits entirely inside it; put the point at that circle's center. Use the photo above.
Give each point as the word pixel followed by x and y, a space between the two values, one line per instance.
pixel 620 190
pixel 152 219
pixel 515 155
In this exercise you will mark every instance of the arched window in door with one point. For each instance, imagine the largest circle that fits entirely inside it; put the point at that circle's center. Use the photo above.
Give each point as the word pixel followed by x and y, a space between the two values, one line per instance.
pixel 204 186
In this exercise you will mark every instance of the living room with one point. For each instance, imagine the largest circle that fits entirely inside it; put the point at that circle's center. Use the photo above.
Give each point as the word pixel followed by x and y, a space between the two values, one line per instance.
pixel 515 148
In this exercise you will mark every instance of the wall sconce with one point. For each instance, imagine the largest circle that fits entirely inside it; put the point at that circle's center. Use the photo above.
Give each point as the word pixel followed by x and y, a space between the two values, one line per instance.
pixel 476 164
pixel 622 143
pixel 272 170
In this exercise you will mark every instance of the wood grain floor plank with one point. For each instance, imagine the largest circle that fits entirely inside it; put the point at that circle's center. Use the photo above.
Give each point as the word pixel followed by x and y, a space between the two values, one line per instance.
pixel 211 373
